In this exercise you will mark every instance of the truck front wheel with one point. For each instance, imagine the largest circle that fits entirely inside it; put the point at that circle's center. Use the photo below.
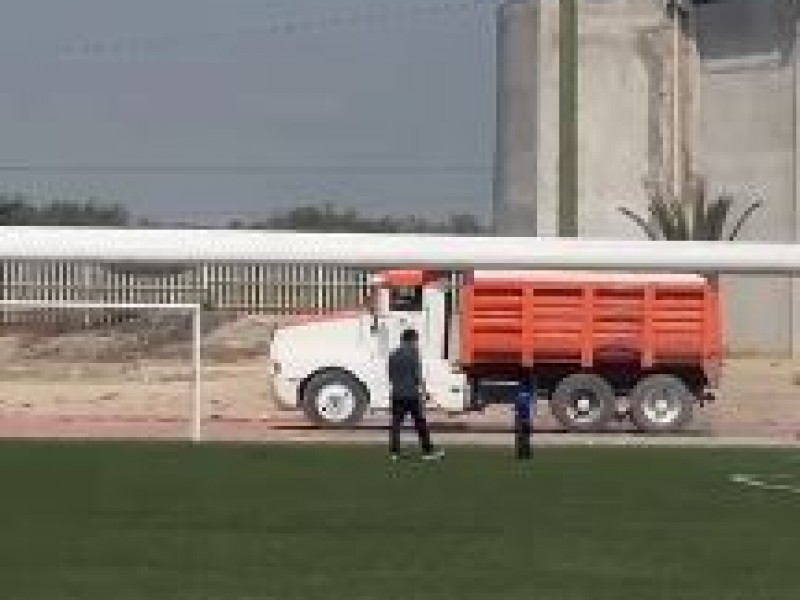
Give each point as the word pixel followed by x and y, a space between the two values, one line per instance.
pixel 583 402
pixel 661 403
pixel 335 399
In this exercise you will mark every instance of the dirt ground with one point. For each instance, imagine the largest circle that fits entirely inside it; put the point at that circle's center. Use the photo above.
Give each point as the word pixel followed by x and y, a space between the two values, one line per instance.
pixel 108 385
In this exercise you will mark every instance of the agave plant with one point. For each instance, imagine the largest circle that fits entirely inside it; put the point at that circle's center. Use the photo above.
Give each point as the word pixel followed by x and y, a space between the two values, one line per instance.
pixel 671 218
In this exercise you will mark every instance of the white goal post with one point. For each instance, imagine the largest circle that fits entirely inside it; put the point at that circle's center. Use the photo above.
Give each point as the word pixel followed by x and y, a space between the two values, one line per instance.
pixel 195 310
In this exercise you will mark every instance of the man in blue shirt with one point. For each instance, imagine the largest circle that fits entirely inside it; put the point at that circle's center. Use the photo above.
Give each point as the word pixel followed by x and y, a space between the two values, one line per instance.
pixel 407 394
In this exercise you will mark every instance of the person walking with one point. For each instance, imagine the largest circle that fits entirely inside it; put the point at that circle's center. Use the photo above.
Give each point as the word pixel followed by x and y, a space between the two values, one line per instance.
pixel 407 395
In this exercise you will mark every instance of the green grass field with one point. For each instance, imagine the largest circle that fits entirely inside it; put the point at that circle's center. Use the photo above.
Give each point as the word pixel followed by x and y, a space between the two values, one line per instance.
pixel 109 521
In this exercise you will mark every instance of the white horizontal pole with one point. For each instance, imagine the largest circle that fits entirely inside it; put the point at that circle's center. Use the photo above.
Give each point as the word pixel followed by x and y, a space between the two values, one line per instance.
pixel 167 248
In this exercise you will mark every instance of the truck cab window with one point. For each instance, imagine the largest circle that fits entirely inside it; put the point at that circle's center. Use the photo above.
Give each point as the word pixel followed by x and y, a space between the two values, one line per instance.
pixel 406 299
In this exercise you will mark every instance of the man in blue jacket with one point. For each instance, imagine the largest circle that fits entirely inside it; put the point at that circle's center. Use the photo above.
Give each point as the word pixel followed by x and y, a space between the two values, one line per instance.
pixel 407 395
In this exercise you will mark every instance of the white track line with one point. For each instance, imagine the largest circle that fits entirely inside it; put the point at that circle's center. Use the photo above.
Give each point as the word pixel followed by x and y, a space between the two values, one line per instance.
pixel 761 481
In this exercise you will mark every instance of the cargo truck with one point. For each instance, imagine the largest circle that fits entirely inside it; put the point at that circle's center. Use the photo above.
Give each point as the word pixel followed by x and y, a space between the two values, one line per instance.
pixel 601 347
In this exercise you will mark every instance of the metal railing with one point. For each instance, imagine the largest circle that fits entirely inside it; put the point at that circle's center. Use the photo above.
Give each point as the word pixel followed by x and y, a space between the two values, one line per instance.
pixel 268 289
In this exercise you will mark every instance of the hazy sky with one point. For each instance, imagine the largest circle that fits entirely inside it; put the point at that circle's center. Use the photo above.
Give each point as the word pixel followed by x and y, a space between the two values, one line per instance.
pixel 215 108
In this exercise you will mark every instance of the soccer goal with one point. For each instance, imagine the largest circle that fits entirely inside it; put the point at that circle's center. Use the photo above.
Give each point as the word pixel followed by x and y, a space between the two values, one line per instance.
pixel 64 361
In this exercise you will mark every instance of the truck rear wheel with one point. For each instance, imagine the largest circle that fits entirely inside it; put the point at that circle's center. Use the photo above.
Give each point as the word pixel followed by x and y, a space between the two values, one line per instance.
pixel 583 402
pixel 661 403
pixel 335 399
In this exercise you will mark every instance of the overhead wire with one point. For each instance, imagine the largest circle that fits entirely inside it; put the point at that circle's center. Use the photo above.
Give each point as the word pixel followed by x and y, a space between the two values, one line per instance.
pixel 244 169
pixel 373 17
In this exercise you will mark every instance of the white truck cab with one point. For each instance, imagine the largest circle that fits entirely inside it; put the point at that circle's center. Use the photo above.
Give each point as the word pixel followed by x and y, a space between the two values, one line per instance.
pixel 335 367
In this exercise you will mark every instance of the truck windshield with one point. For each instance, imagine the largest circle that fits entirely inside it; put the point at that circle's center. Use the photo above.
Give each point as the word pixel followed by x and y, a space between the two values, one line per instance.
pixel 406 299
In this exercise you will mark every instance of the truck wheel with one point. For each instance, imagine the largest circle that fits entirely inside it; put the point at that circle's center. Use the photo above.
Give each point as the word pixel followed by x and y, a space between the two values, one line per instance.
pixel 583 402
pixel 661 403
pixel 335 399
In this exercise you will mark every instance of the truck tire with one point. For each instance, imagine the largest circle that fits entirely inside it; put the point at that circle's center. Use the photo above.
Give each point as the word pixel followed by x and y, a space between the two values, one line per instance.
pixel 335 399
pixel 661 403
pixel 583 402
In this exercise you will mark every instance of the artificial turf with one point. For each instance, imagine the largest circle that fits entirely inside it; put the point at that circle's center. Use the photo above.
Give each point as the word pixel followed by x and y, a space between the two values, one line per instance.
pixel 112 521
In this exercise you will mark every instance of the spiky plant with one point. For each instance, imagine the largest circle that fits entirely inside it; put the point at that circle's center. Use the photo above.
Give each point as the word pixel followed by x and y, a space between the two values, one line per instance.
pixel 672 218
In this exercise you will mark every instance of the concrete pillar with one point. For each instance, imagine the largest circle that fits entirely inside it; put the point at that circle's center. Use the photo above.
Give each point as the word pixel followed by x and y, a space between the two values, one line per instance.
pixel 796 174
pixel 526 155
pixel 516 146
pixel 548 119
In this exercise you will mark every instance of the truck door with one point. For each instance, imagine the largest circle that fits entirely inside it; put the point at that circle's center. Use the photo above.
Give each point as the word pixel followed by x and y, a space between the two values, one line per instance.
pixel 406 309
pixel 423 308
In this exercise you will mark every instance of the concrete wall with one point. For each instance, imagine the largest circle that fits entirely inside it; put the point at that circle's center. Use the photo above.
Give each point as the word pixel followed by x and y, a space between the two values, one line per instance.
pixel 738 103
pixel 746 144
pixel 620 117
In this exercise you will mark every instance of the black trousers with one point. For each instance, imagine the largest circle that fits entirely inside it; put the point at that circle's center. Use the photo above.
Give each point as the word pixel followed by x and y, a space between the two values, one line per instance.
pixel 409 406
pixel 522 434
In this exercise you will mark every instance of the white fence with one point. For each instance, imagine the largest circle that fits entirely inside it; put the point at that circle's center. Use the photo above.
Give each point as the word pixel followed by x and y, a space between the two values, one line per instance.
pixel 257 288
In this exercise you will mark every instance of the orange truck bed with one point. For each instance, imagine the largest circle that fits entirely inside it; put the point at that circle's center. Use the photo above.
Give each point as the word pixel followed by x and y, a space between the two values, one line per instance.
pixel 644 321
